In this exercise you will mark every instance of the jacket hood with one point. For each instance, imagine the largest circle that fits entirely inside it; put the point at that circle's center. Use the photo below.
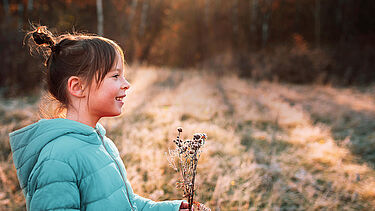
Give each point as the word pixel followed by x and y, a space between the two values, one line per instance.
pixel 27 143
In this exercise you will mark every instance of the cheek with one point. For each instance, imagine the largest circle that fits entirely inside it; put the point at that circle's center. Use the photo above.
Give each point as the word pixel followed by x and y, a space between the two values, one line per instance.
pixel 106 96
pixel 98 98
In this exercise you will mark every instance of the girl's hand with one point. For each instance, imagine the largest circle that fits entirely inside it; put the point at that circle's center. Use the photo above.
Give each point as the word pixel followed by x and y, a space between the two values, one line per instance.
pixel 184 206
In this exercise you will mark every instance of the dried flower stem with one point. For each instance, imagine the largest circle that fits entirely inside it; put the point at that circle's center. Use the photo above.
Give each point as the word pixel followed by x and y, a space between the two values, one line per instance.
pixel 188 153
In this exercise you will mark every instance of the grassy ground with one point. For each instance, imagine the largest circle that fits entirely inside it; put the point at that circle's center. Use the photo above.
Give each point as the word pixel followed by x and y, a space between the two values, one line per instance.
pixel 270 146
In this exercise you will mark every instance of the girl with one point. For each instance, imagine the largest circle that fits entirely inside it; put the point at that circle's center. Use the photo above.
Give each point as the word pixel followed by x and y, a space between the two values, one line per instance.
pixel 69 163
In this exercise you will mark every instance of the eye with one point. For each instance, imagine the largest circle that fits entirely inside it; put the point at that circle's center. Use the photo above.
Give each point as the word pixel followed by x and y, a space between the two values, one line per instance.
pixel 116 76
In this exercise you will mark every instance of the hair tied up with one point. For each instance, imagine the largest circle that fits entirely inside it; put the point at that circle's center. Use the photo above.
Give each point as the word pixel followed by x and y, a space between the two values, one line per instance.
pixel 55 48
pixel 41 37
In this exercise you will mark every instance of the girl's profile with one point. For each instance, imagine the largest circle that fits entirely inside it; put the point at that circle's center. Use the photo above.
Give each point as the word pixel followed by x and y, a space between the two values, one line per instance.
pixel 68 163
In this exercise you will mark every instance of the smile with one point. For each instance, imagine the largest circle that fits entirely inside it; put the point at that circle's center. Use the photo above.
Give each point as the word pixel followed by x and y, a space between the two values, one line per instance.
pixel 120 98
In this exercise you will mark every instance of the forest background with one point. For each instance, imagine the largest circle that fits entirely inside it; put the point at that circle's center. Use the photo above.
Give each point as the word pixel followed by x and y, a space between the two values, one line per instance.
pixel 280 40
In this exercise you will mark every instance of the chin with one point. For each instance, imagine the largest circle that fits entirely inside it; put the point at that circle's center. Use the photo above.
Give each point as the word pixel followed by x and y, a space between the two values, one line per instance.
pixel 115 114
pixel 112 114
pixel 119 112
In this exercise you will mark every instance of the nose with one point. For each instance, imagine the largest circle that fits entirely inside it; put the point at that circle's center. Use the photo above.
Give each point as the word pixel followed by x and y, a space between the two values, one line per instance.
pixel 125 84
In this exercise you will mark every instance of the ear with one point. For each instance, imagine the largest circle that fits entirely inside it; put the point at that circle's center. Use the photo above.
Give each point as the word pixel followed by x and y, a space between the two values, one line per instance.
pixel 75 87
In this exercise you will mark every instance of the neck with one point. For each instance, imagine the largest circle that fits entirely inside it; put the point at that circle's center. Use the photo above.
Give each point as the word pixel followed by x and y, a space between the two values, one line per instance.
pixel 82 117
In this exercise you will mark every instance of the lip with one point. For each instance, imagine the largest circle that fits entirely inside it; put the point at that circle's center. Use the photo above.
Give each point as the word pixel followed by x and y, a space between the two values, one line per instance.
pixel 121 103
pixel 121 96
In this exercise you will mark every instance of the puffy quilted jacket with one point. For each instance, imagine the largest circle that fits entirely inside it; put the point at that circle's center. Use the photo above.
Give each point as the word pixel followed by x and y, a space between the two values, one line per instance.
pixel 66 165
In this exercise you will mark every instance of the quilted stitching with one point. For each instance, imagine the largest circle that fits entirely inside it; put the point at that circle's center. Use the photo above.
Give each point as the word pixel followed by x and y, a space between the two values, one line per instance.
pixel 78 147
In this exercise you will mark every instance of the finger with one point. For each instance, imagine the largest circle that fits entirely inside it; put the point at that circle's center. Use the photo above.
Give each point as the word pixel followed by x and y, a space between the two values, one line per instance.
pixel 184 205
pixel 187 209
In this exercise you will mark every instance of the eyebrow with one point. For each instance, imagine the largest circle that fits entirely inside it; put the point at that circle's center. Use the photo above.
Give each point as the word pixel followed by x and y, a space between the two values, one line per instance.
pixel 113 70
pixel 119 70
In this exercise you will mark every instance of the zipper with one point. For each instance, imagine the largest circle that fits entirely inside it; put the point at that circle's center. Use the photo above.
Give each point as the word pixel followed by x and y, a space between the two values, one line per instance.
pixel 118 166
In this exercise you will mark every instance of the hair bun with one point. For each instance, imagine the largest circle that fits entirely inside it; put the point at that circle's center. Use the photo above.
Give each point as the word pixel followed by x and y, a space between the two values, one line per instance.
pixel 41 37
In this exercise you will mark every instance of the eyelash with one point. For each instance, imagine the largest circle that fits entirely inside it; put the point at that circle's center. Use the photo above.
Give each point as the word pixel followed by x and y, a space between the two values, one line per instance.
pixel 116 76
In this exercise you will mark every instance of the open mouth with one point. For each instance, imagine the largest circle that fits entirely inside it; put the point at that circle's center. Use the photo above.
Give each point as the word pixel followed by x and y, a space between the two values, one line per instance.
pixel 120 98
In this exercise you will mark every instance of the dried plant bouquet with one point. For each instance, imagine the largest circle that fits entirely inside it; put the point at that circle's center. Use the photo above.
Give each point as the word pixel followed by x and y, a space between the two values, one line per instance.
pixel 184 159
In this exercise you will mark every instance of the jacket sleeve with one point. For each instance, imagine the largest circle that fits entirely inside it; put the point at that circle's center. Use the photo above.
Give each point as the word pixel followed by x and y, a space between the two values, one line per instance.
pixel 144 204
pixel 53 186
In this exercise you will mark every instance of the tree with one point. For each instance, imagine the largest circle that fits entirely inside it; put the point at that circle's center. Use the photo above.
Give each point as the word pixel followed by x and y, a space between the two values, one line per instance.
pixel 99 9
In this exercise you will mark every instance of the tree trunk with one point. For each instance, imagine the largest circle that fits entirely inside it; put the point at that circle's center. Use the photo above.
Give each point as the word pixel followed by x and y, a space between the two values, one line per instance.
pixel 265 26
pixel 317 23
pixel 99 10
pixel 6 8
pixel 265 22
pixel 339 21
pixel 20 15
pixel 235 17
pixel 30 5
pixel 254 36
pixel 133 8
pixel 235 25
pixel 142 26
pixel 297 21
pixel 254 15
pixel 206 11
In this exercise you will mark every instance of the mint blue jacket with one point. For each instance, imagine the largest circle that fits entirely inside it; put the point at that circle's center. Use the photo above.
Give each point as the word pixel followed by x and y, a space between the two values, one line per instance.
pixel 66 165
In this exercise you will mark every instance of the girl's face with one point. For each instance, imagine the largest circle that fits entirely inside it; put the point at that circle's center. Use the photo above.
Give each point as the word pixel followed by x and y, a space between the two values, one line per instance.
pixel 106 99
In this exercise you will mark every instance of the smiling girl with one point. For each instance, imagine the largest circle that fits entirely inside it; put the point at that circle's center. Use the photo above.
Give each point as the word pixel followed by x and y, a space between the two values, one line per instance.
pixel 69 163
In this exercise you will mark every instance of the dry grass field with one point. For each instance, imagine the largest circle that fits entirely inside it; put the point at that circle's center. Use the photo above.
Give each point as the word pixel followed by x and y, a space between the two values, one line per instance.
pixel 270 146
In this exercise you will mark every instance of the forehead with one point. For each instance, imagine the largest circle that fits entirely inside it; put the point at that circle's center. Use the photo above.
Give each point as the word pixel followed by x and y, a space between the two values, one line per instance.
pixel 118 64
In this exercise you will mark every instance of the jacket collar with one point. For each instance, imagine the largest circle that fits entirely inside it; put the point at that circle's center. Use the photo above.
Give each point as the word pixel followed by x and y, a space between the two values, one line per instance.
pixel 27 143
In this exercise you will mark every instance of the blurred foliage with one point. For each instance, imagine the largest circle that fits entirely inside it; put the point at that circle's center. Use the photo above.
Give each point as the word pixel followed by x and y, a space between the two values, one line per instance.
pixel 295 41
